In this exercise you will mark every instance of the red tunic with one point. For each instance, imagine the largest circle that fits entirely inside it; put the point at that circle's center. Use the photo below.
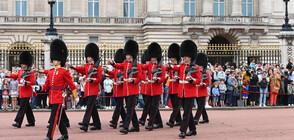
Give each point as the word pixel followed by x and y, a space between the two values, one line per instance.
pixel 56 80
pixel 91 88
pixel 186 89
pixel 202 91
pixel 117 89
pixel 154 88
pixel 144 83
pixel 174 84
pixel 130 88
pixel 24 91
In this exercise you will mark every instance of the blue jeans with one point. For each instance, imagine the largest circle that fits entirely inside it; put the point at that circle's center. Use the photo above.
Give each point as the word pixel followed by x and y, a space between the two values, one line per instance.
pixel 34 102
pixel 262 96
pixel 165 95
pixel 230 97
pixel 0 99
pixel 290 99
pixel 215 99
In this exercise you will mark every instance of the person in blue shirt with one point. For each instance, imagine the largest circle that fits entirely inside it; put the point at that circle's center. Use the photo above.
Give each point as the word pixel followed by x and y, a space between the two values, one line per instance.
pixel 215 93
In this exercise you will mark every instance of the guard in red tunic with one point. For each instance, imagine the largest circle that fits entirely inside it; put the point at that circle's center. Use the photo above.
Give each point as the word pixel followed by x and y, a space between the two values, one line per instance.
pixel 118 95
pixel 189 74
pixel 92 85
pixel 201 90
pixel 144 86
pixel 173 89
pixel 26 80
pixel 156 76
pixel 56 80
pixel 132 77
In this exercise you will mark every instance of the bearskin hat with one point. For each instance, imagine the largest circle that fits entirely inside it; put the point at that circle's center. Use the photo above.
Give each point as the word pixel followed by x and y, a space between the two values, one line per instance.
pixel 174 51
pixel 201 60
pixel 58 51
pixel 119 56
pixel 188 48
pixel 92 50
pixel 154 50
pixel 131 48
pixel 26 58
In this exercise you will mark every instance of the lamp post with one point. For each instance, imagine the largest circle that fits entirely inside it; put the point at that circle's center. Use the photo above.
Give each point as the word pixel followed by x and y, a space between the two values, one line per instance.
pixel 51 31
pixel 286 26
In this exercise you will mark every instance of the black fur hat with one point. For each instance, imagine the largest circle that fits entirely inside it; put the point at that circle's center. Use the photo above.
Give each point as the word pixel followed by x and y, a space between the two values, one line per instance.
pixel 154 50
pixel 201 60
pixel 26 58
pixel 131 48
pixel 188 48
pixel 58 51
pixel 144 57
pixel 174 51
pixel 92 50
pixel 119 56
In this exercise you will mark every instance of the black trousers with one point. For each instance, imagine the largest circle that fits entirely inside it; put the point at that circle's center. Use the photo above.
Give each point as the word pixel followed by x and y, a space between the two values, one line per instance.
pixel 201 109
pixel 176 103
pixel 187 116
pixel 64 116
pixel 146 109
pixel 131 112
pixel 155 116
pixel 54 120
pixel 82 101
pixel 25 108
pixel 119 110
pixel 91 111
pixel 42 100
pixel 107 98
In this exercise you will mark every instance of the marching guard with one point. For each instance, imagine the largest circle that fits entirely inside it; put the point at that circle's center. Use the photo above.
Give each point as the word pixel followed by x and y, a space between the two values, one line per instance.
pixel 26 80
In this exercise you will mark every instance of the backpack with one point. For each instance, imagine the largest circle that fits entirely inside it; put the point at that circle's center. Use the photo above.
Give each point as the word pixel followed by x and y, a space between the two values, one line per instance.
pixel 263 83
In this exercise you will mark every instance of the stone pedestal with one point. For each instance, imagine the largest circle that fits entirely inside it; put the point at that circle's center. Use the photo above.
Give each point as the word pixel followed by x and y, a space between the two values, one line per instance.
pixel 286 46
pixel 47 41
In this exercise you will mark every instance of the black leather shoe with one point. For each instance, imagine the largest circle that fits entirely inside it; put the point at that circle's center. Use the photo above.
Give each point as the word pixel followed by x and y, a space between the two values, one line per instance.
pixel 182 135
pixel 121 122
pixel 67 125
pixel 91 124
pixel 191 133
pixel 177 124
pixel 111 121
pixel 196 122
pixel 95 128
pixel 122 125
pixel 204 121
pixel 124 130
pixel 113 125
pixel 81 123
pixel 149 127
pixel 85 128
pixel 141 122
pixel 63 137
pixel 156 126
pixel 133 129
pixel 170 124
pixel 47 138
pixel 16 125
pixel 48 126
pixel 30 124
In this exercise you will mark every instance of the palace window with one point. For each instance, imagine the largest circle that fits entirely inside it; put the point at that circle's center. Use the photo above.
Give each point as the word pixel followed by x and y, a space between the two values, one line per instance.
pixel 190 7
pixel 219 8
pixel 246 7
pixel 129 8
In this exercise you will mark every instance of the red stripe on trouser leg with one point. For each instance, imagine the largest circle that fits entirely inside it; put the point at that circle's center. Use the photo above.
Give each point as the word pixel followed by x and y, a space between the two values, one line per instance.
pixel 55 120
pixel 201 110
pixel 177 110
pixel 118 113
pixel 156 110
pixel 24 109
pixel 132 111
pixel 91 111
pixel 188 120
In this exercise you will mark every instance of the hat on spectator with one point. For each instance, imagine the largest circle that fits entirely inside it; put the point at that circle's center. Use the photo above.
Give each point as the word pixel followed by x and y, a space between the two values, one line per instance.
pixel 26 58
pixel 119 56
pixel 188 48
pixel 154 50
pixel 131 48
pixel 92 50
pixel 201 60
pixel 58 51
pixel 174 51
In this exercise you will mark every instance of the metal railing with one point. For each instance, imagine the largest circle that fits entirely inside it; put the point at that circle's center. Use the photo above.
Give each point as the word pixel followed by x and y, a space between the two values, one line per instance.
pixel 225 20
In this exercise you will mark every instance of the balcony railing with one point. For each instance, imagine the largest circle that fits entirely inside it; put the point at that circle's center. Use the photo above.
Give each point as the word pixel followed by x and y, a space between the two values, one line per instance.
pixel 225 20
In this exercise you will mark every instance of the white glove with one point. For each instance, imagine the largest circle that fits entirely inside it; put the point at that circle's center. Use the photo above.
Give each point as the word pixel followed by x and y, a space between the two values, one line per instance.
pixel 77 99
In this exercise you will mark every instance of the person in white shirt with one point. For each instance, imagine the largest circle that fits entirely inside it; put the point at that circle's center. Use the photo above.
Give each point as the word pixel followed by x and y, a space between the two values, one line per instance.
pixel 108 85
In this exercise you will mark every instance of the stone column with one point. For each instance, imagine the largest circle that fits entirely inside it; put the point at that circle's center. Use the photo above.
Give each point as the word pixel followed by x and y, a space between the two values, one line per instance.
pixel 207 8
pixel 47 41
pixel 265 7
pixel 286 46
pixel 236 8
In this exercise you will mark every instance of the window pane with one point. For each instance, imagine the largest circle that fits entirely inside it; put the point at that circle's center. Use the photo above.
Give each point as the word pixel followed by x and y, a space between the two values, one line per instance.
pixel 215 0
pixel 222 9
pixel 132 0
pixel 132 10
pixel 60 9
pixel 186 0
pixel 193 9
pixel 193 0
pixel 187 9
pixel 243 0
pixel 244 10
pixel 222 0
pixel 17 8
pixel 90 9
pixel 55 10
pixel 215 9
pixel 249 9
pixel 93 39
pixel 96 10
pixel 126 10
pixel 249 0
pixel 128 38
pixel 24 8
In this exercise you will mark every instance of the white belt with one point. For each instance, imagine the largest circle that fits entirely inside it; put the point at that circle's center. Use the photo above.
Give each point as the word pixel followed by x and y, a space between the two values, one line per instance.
pixel 151 81
pixel 172 80
pixel 144 82
pixel 115 83
pixel 184 82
